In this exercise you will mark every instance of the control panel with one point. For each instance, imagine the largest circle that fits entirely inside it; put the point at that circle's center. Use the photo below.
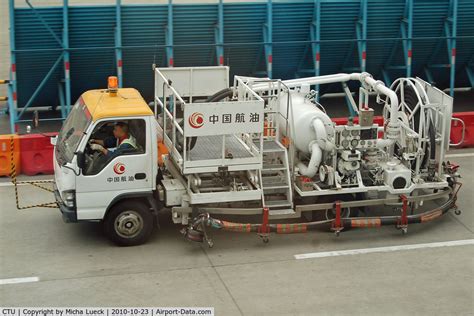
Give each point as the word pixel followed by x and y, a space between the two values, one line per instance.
pixel 350 137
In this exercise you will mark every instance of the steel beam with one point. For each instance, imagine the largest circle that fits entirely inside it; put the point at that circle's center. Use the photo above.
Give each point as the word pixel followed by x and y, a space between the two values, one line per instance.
pixel 219 34
pixel 315 34
pixel 386 78
pixel 406 33
pixel 118 42
pixel 13 98
pixel 360 41
pixel 40 86
pixel 396 67
pixel 470 75
pixel 67 64
pixel 409 35
pixel 64 43
pixel 440 65
pixel 45 24
pixel 450 30
pixel 435 52
pixel 452 52
pixel 169 36
pixel 349 55
pixel 429 76
pixel 62 101
pixel 258 60
pixel 361 33
pixel 268 39
pixel 300 66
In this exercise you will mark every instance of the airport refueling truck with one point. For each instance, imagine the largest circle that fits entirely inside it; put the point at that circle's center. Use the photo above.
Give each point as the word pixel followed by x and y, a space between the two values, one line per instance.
pixel 259 148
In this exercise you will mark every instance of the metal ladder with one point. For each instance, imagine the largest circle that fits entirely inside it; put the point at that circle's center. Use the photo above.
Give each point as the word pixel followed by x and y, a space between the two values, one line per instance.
pixel 276 180
pixel 275 176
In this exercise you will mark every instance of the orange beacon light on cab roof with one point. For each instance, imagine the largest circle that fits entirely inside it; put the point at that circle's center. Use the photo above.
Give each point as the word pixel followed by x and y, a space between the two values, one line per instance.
pixel 112 85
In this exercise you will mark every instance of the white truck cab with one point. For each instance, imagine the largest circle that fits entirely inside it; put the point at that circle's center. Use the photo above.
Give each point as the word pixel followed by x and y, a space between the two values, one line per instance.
pixel 116 187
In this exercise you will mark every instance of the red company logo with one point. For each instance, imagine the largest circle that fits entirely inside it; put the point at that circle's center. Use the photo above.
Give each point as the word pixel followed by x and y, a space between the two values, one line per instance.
pixel 196 120
pixel 119 168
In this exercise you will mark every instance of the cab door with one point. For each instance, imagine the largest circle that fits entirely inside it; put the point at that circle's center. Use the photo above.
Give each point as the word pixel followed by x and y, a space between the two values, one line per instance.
pixel 125 174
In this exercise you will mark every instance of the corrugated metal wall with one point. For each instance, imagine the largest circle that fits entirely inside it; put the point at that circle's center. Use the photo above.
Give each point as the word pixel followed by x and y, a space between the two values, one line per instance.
pixel 92 41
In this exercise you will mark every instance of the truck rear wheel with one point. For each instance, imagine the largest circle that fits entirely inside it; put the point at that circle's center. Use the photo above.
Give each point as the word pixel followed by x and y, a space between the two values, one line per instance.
pixel 129 223
pixel 330 214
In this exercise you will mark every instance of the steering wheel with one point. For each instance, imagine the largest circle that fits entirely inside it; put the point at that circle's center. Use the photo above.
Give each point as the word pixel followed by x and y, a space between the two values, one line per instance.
pixel 93 159
pixel 89 150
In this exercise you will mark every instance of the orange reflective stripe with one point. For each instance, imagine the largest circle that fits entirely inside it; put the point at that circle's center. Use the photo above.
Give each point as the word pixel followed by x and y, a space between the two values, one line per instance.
pixel 431 216
pixel 291 228
pixel 366 222
pixel 236 227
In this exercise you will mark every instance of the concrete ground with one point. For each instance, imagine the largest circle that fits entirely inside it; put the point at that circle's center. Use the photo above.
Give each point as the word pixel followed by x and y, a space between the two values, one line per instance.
pixel 77 266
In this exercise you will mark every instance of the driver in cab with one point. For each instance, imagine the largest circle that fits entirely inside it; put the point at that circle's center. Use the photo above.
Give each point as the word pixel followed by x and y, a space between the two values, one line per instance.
pixel 122 141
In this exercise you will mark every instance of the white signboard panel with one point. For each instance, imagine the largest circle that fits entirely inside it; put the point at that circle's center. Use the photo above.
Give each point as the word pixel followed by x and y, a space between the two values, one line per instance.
pixel 193 81
pixel 220 118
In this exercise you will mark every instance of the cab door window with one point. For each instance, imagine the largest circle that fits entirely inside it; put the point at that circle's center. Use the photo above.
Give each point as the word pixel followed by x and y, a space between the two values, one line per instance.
pixel 111 139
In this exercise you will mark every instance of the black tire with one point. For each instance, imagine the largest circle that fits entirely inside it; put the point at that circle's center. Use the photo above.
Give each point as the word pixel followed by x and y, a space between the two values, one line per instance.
pixel 345 213
pixel 330 214
pixel 129 223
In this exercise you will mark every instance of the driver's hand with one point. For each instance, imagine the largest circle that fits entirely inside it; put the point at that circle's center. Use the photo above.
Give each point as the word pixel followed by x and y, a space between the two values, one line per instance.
pixel 92 141
pixel 97 147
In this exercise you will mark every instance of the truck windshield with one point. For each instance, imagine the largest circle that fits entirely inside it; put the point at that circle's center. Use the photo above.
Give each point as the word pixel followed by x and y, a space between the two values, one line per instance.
pixel 72 132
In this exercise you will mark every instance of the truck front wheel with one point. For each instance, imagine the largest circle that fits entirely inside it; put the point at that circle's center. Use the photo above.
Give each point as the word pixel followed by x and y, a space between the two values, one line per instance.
pixel 129 223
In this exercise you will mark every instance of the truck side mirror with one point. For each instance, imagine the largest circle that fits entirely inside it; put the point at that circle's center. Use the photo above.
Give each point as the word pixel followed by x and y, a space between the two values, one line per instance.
pixel 81 159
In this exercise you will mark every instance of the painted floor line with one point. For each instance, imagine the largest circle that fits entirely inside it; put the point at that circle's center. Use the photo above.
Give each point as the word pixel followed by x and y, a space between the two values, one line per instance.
pixel 384 249
pixel 8 184
pixel 18 280
pixel 460 155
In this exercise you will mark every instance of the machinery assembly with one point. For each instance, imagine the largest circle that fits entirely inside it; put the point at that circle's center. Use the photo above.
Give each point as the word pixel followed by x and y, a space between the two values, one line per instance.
pixel 289 159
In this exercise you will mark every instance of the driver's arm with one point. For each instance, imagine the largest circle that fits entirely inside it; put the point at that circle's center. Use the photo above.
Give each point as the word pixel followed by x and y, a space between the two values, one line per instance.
pixel 123 148
pixel 109 142
pixel 104 151
pixel 97 141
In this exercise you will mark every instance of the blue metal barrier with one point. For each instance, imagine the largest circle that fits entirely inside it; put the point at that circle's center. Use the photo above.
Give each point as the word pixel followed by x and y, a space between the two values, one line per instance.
pixel 433 39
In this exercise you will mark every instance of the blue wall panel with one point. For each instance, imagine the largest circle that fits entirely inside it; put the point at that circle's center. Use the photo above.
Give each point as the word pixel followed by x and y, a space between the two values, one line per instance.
pixel 90 67
pixel 143 27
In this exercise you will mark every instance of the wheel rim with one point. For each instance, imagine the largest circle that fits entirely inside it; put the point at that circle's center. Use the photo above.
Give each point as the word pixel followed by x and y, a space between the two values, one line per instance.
pixel 128 224
pixel 345 213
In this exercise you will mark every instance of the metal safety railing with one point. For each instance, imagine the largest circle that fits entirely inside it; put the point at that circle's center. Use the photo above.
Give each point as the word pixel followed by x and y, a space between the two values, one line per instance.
pixel 35 183
pixel 173 134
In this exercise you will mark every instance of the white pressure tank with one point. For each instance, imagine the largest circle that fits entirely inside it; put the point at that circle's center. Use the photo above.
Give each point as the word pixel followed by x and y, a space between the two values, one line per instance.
pixel 308 123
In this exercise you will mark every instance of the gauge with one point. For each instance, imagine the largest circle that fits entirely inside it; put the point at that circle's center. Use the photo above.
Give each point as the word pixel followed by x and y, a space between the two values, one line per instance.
pixel 362 142
pixel 345 133
pixel 355 132
pixel 345 143
pixel 354 142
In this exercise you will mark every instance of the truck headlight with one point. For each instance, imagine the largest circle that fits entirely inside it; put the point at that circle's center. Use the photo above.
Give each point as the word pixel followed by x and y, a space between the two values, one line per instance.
pixel 69 198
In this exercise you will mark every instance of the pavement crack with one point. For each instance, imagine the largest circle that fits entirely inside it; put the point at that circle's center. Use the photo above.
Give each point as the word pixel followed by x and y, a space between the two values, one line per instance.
pixel 222 281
